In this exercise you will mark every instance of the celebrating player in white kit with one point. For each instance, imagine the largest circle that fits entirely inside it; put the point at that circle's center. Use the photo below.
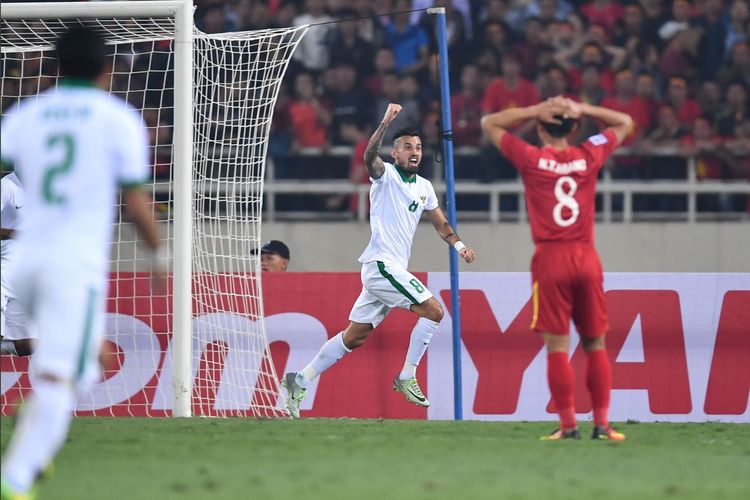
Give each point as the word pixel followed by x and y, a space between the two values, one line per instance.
pixel 398 197
pixel 17 337
pixel 73 147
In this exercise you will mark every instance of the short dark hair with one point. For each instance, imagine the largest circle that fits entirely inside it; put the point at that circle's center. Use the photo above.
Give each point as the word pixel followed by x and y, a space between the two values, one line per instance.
pixel 561 129
pixel 406 131
pixel 81 53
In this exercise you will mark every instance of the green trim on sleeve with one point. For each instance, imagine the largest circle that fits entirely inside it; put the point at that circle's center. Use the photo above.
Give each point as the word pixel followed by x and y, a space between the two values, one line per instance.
pixel 6 165
pixel 398 286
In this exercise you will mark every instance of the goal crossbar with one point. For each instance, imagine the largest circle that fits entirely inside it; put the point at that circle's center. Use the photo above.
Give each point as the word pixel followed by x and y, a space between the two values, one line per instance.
pixel 73 10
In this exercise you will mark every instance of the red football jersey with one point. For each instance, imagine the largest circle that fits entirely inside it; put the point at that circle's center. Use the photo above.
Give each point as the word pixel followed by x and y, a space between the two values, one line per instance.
pixel 560 185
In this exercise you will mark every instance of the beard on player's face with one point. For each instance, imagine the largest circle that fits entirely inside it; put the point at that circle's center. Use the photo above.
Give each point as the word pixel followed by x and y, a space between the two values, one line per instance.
pixel 408 156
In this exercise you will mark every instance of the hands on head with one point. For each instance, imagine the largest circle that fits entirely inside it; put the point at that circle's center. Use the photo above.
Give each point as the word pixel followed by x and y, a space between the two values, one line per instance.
pixel 559 106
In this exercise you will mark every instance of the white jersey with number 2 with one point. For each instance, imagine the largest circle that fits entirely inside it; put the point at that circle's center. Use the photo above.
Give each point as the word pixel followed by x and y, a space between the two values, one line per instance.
pixel 73 147
pixel 396 205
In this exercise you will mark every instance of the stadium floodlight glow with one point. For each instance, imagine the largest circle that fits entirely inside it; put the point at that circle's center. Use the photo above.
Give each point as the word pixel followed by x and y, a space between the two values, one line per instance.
pixel 207 100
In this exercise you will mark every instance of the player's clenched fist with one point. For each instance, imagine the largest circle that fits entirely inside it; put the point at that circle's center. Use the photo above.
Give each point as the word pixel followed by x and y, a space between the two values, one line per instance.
pixel 468 254
pixel 391 113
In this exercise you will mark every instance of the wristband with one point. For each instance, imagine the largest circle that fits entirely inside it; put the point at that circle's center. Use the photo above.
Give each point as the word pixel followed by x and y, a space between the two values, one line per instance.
pixel 459 245
pixel 159 258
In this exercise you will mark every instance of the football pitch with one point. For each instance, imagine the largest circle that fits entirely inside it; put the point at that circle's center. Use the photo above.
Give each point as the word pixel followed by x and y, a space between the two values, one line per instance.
pixel 138 458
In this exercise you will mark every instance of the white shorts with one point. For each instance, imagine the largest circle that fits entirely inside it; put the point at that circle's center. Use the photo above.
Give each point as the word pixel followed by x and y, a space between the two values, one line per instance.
pixel 385 286
pixel 66 306
pixel 13 322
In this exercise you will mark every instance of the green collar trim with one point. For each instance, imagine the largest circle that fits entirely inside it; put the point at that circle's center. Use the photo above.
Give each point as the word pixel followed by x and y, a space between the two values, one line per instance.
pixel 76 82
pixel 406 176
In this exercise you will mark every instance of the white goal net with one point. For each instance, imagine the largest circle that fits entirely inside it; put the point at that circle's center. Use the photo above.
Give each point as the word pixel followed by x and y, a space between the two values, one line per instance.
pixel 236 78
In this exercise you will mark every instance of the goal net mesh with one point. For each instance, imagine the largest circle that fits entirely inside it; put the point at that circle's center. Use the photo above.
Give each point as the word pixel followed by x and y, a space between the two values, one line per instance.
pixel 236 81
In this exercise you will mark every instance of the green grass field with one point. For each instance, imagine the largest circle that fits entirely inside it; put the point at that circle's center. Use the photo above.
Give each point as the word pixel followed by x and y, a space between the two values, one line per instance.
pixel 361 459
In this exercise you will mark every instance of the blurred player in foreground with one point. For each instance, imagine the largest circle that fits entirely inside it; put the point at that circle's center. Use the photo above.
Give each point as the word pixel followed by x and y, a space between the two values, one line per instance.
pixel 73 146
pixel 17 337
pixel 398 197
pixel 560 184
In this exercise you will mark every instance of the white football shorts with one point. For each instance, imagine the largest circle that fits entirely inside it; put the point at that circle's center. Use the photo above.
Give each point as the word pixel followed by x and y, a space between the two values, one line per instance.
pixel 66 305
pixel 384 287
pixel 13 322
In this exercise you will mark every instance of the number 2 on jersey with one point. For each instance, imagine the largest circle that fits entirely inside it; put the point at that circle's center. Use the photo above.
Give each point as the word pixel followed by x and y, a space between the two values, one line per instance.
pixel 67 143
pixel 565 198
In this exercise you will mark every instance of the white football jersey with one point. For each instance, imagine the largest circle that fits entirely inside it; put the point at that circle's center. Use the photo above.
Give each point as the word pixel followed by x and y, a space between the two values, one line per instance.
pixel 396 205
pixel 72 148
pixel 12 201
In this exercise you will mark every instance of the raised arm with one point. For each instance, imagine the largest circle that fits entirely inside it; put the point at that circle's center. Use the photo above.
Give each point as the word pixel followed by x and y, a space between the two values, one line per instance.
pixel 446 232
pixel 620 123
pixel 373 162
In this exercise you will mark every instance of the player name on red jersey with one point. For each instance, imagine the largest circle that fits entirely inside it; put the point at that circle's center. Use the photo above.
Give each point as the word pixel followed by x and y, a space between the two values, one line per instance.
pixel 551 165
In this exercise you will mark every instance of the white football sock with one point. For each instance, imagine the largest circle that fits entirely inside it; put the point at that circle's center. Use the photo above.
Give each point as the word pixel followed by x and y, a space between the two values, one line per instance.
pixel 8 347
pixel 40 431
pixel 420 339
pixel 332 351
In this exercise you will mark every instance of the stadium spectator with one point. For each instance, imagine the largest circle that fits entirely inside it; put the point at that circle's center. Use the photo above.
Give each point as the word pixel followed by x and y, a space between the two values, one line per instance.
pixel 678 93
pixel 215 19
pixel 531 47
pixel 311 51
pixel 466 107
pixel 710 99
pixel 308 116
pixel 546 10
pixel 711 47
pixel 385 62
pixel 605 13
pixel 735 111
pixel 625 100
pixel 393 87
pixel 585 51
pixel 737 68
pixel 591 90
pixel 655 15
pixel 645 88
pixel 409 42
pixel 737 29
pixel 511 90
pixel 678 22
pixel 370 26
pixel 251 15
pixel 350 105
pixel 347 46
pixel 274 256
pixel 553 81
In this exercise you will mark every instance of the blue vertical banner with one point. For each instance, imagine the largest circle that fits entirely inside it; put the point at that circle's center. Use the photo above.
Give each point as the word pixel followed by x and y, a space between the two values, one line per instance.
pixel 450 202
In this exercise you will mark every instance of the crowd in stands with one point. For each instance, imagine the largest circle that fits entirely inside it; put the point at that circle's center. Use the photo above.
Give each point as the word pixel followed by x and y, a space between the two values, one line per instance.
pixel 681 68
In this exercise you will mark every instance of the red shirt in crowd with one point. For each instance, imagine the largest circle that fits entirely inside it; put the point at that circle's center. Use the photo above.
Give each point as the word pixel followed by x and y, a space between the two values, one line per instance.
pixel 560 185
pixel 466 112
pixel 498 96
pixel 308 130
pixel 688 111
pixel 606 17
pixel 636 108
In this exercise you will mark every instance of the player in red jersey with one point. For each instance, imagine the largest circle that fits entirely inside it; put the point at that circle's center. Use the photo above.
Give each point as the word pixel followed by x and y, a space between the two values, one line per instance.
pixel 560 183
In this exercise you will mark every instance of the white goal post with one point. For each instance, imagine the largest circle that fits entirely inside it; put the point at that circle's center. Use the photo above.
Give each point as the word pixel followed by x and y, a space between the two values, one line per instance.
pixel 208 102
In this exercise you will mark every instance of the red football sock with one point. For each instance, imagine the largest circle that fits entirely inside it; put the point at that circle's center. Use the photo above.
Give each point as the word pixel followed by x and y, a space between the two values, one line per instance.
pixel 599 383
pixel 561 381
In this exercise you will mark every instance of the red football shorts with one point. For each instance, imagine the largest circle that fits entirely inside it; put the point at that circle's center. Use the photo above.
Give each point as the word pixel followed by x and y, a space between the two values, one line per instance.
pixel 567 283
